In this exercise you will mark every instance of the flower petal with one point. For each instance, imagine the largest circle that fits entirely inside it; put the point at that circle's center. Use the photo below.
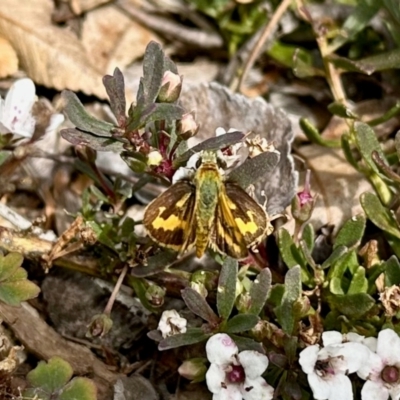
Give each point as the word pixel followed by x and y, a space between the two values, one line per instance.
pixel 372 367
pixel 253 362
pixel 17 109
pixel 340 388
pixel 388 347
pixel 320 388
pixel 331 337
pixel 354 355
pixel 215 376
pixel 308 358
pixel 374 391
pixel 257 389
pixel 232 392
pixel 220 349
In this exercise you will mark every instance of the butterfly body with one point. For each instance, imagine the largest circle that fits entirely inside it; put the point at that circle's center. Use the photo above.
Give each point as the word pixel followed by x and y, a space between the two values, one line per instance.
pixel 206 211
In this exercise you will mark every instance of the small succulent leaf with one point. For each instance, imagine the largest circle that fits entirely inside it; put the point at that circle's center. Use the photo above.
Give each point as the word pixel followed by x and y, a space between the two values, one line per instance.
pixel 192 336
pixel 259 291
pixel 81 119
pixel 285 312
pixel 359 283
pixel 394 243
pixel 335 286
pixel 155 264
pixel 378 214
pixel 336 254
pixel 352 305
pixel 314 135
pixel 213 143
pixel 351 233
pixel 254 169
pixel 368 65
pixel 226 291
pixel 308 237
pixel 367 142
pixel 13 293
pixel 9 265
pixel 339 109
pixel 77 137
pixel 198 305
pixel 115 87
pixel 342 264
pixel 50 376
pixel 79 388
pixel 288 250
pixel 241 323
pixel 348 152
pixel 392 271
pixel 153 71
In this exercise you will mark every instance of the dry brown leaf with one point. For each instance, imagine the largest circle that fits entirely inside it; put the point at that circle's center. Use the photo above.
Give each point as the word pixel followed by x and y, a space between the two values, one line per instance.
pixel 109 44
pixel 8 59
pixel 50 55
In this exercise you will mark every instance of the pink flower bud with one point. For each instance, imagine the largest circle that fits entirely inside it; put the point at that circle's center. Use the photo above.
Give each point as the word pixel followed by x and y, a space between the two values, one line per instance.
pixel 171 86
pixel 187 127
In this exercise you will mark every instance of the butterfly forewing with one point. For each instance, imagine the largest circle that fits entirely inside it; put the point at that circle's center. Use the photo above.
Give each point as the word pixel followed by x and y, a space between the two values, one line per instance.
pixel 169 219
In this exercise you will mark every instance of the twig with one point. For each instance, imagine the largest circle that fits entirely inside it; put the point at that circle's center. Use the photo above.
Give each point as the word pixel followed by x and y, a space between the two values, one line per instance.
pixel 263 38
pixel 115 291
pixel 194 37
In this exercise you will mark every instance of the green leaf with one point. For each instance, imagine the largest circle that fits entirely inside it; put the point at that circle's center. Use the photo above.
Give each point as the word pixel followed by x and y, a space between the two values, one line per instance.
pixel 259 291
pixel 140 288
pixel 153 71
pixel 192 336
pixel 288 250
pixel 226 291
pixel 50 376
pixel 241 323
pixel 155 264
pixel 378 214
pixel 352 305
pixel 81 119
pixel 285 312
pixel 213 143
pixel 356 22
pixel 308 236
pixel 254 169
pixel 351 233
pixel 367 143
pixel 336 254
pixel 392 271
pixel 14 286
pixel 77 137
pixel 198 305
pixel 314 135
pixel 115 87
pixel 245 343
pixel 79 389
pixel 359 283
pixel 341 110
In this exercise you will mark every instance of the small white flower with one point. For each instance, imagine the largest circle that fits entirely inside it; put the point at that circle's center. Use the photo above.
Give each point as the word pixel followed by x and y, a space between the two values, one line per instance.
pixel 16 110
pixel 188 171
pixel 233 155
pixel 327 368
pixel 171 323
pixel 383 369
pixel 233 375
pixel 154 158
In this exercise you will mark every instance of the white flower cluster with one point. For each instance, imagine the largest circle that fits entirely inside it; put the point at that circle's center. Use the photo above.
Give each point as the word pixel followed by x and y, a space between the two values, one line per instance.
pixel 377 361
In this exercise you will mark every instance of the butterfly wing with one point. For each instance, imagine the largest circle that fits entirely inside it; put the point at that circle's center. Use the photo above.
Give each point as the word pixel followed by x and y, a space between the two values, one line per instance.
pixel 239 224
pixel 169 219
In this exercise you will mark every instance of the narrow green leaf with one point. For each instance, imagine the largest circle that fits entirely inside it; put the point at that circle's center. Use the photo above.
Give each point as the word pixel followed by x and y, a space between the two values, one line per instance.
pixel 308 236
pixel 378 214
pixel 259 291
pixel 339 109
pixel 288 250
pixel 351 233
pixel 226 291
pixel 367 142
pixel 314 135
pixel 192 336
pixel 336 254
pixel 153 71
pixel 198 305
pixel 81 119
pixel 77 137
pixel 241 323
pixel 359 283
pixel 115 87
